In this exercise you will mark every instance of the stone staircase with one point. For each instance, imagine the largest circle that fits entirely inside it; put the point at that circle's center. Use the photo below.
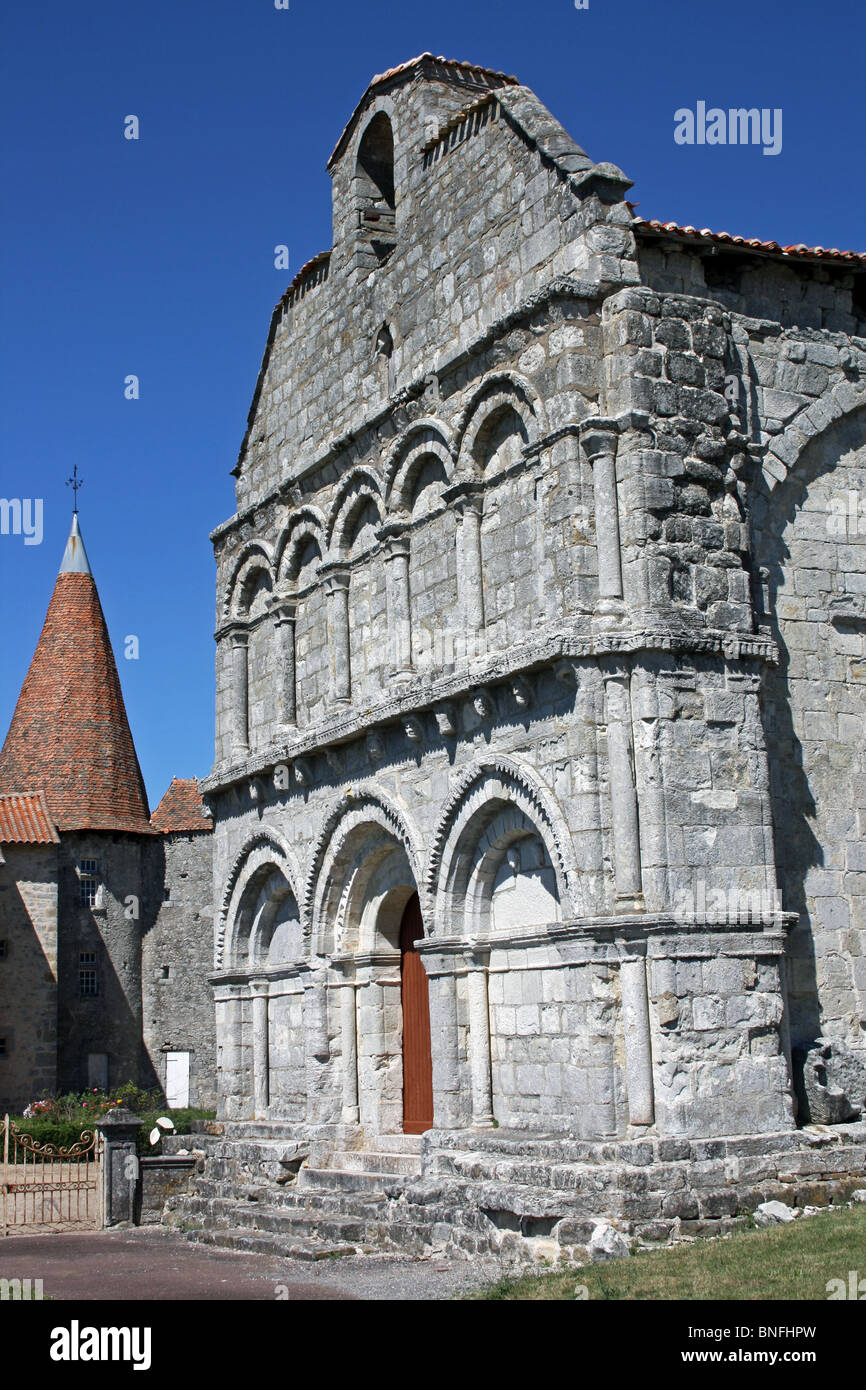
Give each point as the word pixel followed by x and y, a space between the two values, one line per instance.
pixel 278 1189
pixel 262 1188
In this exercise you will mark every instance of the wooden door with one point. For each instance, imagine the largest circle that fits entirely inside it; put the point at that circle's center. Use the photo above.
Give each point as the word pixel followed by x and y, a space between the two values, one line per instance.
pixel 417 1058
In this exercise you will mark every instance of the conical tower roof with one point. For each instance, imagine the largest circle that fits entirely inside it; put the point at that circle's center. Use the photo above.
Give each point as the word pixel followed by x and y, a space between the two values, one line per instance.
pixel 69 735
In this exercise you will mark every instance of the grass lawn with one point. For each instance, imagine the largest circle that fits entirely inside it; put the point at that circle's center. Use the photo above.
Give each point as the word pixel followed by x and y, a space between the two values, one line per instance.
pixel 794 1261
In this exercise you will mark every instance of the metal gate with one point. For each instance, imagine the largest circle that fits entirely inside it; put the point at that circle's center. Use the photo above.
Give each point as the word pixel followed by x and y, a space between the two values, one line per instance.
pixel 44 1185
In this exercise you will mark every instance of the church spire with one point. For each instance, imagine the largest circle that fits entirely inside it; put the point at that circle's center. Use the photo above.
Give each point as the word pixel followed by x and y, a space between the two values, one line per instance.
pixel 69 735
pixel 75 559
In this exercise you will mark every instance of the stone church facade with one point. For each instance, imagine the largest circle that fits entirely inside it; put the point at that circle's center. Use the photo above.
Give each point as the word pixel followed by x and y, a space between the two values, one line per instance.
pixel 539 656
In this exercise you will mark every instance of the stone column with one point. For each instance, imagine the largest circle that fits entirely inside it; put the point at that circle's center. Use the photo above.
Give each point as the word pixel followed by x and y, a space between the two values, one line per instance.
pixel 240 692
pixel 398 598
pixel 599 440
pixel 623 796
pixel 638 1045
pixel 337 590
pixel 349 1042
pixel 261 1047
pixel 228 1030
pixel 284 607
pixel 479 1045
pixel 467 500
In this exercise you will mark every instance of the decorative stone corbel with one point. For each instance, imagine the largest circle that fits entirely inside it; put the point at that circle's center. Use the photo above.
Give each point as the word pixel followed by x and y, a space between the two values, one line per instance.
pixel 484 704
pixel 375 746
pixel 446 720
pixel 303 769
pixel 521 692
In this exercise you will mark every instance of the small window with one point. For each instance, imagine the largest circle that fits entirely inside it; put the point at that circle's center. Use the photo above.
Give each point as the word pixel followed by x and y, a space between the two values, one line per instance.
pixel 3 1047
pixel 88 984
pixel 88 882
pixel 166 972
pixel 4 949
pixel 166 894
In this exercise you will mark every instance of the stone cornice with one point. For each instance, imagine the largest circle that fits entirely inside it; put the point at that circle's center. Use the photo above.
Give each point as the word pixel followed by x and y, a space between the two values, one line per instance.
pixel 421 694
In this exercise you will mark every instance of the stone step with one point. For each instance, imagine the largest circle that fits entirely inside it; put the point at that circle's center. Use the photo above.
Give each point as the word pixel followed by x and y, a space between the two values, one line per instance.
pixel 359 1203
pixel 268 1243
pixel 366 1161
pixel 371 1228
pixel 329 1179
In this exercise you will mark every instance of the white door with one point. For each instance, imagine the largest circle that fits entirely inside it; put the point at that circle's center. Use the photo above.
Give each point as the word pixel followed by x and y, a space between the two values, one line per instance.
pixel 177 1080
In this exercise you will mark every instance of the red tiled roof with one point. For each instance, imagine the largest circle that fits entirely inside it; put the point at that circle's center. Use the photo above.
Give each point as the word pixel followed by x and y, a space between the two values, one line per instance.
pixel 857 258
pixel 25 820
pixel 69 733
pixel 465 72
pixel 180 808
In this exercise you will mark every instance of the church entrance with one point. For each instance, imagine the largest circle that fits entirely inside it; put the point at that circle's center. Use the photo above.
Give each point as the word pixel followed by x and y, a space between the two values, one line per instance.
pixel 417 1057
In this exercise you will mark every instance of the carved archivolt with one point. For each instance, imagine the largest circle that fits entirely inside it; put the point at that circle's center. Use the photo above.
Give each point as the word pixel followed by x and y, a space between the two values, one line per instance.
pixel 266 846
pixel 256 556
pixel 783 454
pixel 304 525
pixel 361 483
pixel 337 855
pixel 496 391
pixel 422 438
pixel 487 787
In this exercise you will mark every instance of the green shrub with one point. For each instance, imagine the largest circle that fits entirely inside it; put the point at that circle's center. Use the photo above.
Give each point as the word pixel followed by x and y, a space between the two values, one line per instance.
pixel 61 1119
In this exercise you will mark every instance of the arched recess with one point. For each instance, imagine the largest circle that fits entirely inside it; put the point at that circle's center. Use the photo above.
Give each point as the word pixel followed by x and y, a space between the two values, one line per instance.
pixel 502 418
pixel 298 559
pixel 504 406
pixel 375 198
pixel 499 815
pixel 424 438
pixel 259 901
pixel 254 561
pixel 356 519
pixel 304 527
pixel 417 474
pixel 809 538
pixel 365 866
pixel 360 488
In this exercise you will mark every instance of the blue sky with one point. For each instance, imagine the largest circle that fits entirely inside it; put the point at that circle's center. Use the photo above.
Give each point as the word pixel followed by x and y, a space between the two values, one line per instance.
pixel 155 257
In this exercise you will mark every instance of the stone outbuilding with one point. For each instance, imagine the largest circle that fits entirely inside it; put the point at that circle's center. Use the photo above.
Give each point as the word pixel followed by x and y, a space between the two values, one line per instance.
pixel 105 916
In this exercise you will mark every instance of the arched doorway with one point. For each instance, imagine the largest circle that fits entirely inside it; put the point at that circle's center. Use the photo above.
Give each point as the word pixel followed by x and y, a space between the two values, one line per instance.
pixel 417 1054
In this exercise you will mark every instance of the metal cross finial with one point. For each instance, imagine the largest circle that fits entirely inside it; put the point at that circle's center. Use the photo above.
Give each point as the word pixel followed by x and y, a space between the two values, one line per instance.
pixel 75 483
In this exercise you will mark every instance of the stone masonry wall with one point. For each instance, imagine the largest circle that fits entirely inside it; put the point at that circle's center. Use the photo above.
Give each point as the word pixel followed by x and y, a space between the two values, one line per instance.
pixel 176 960
pixel 28 974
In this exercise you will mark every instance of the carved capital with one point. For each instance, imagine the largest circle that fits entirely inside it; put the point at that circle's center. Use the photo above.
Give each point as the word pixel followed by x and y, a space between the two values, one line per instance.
pixel 599 438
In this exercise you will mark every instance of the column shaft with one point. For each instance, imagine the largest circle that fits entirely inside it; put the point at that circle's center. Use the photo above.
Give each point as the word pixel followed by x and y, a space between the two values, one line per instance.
pixel 638 1045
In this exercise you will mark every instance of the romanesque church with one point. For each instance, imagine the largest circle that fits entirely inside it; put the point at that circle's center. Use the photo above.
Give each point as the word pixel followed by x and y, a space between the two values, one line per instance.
pixel 539 884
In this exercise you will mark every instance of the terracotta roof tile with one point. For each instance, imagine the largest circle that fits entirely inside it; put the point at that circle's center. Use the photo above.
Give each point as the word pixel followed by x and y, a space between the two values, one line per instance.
pixel 855 258
pixel 25 820
pixel 181 808
pixel 69 734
